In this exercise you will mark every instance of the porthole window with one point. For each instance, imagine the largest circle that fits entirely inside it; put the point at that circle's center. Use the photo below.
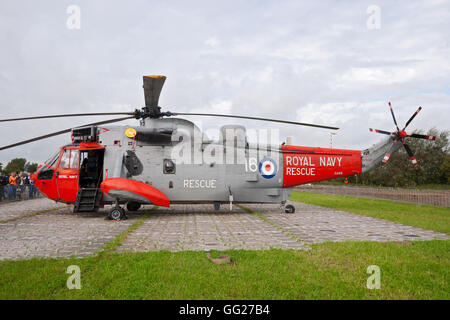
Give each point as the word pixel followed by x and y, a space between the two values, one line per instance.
pixel 169 166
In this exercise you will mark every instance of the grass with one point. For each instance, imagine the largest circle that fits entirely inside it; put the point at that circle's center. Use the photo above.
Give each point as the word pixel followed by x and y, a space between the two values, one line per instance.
pixel 409 270
pixel 431 186
pixel 422 216
pixel 328 271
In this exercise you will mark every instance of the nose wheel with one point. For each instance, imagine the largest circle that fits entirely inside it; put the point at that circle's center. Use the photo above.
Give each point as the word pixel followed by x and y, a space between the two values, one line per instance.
pixel 287 208
pixel 117 213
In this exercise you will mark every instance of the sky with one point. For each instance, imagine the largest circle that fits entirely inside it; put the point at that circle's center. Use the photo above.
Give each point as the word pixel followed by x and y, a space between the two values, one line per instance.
pixel 335 63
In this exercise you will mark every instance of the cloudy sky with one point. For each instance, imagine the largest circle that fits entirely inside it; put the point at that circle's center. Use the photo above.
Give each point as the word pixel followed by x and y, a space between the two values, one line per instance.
pixel 326 62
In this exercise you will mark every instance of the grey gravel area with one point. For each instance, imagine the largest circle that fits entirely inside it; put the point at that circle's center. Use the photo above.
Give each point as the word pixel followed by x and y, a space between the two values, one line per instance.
pixel 314 224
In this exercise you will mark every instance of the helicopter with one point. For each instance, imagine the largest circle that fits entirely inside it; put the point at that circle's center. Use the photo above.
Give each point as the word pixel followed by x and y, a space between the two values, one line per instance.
pixel 166 160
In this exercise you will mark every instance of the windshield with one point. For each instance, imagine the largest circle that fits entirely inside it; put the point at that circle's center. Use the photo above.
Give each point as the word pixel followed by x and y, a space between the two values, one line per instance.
pixel 52 160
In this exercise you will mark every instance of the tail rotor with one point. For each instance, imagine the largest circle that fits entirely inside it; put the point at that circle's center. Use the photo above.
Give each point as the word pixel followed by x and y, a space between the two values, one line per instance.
pixel 401 135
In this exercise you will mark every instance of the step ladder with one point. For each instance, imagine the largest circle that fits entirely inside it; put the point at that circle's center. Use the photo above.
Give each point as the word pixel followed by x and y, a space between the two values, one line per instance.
pixel 87 200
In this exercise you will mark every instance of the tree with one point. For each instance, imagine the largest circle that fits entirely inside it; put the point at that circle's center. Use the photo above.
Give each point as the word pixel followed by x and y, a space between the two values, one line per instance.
pixel 17 164
pixel 31 167
pixel 445 169
pixel 1 167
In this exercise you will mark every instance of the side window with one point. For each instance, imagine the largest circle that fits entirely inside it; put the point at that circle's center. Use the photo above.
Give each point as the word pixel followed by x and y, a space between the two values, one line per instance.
pixel 52 161
pixel 69 159
pixel 45 173
pixel 74 159
pixel 169 166
pixel 64 162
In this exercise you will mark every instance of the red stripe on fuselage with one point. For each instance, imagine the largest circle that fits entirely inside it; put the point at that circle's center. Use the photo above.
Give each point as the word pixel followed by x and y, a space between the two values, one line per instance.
pixel 305 164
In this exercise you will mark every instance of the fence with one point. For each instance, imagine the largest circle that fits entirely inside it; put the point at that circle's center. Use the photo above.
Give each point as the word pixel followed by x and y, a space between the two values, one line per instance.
pixel 432 197
pixel 21 194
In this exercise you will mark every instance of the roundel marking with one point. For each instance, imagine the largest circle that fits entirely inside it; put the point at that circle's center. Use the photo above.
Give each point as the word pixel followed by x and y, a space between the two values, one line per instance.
pixel 267 168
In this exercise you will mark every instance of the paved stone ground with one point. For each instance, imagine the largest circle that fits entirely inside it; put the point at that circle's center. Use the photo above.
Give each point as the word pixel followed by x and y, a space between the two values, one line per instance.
pixel 315 224
pixel 61 233
pixel 17 209
pixel 200 227
pixel 58 233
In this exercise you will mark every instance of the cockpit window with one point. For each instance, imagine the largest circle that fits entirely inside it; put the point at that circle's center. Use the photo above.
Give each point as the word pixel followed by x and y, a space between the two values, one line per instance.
pixel 52 160
pixel 69 159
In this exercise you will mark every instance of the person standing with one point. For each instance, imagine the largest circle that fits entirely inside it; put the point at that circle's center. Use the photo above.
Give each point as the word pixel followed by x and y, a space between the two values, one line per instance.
pixel 26 184
pixel 12 186
pixel 20 185
pixel 31 189
pixel 3 184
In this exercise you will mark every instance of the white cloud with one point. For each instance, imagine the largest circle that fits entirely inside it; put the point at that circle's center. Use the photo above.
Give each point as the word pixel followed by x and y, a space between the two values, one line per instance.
pixel 313 61
pixel 383 75
pixel 212 42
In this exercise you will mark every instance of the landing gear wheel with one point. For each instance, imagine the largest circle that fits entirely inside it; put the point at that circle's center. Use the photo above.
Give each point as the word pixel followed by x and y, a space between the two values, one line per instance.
pixel 289 208
pixel 133 206
pixel 116 213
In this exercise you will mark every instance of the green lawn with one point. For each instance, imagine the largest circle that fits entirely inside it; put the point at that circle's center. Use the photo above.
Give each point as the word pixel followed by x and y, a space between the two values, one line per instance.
pixel 409 270
pixel 434 186
pixel 422 216
pixel 328 271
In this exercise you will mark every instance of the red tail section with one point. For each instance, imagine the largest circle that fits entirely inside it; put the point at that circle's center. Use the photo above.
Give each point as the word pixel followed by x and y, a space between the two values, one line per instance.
pixel 305 164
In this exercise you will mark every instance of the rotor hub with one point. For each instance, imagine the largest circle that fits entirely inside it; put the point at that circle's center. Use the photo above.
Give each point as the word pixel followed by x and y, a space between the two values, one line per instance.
pixel 402 134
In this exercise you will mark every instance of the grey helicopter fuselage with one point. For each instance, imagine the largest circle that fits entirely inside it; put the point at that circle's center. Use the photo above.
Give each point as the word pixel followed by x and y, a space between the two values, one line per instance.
pixel 206 171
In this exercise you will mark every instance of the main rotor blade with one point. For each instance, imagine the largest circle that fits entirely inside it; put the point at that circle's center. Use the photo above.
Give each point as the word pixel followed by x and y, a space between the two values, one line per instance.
pixel 421 136
pixel 412 117
pixel 69 115
pixel 393 116
pixel 250 118
pixel 381 131
pixel 152 90
pixel 62 132
pixel 410 154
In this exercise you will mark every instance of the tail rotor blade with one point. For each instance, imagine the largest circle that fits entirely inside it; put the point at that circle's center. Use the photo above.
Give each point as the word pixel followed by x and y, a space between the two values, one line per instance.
pixel 412 117
pixel 421 136
pixel 388 154
pixel 393 116
pixel 410 154
pixel 381 131
pixel 62 132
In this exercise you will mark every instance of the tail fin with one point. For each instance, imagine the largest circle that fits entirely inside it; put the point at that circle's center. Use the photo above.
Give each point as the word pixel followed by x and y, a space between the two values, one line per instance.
pixel 375 155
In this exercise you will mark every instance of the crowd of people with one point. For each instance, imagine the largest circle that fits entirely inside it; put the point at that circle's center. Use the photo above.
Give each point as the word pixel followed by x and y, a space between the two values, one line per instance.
pixel 15 186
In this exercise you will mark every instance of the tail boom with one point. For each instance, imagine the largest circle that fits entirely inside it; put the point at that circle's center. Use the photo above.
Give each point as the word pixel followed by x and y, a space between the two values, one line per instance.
pixel 305 164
